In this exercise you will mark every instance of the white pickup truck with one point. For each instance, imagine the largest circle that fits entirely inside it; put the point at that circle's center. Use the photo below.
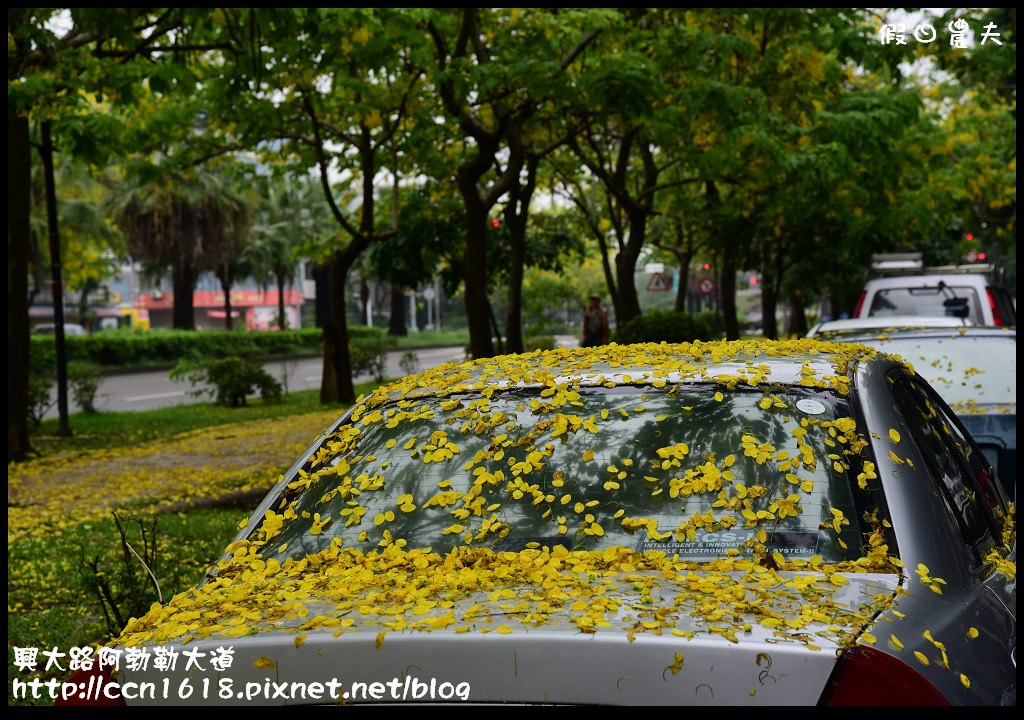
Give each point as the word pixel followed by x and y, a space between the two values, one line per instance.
pixel 908 288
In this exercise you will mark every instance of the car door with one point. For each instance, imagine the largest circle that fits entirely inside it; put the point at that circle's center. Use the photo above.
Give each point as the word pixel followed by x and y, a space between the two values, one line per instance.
pixel 975 617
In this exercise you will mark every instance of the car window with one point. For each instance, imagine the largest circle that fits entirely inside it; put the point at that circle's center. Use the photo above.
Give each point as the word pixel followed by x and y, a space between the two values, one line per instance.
pixel 924 301
pixel 973 457
pixel 937 437
pixel 966 370
pixel 687 471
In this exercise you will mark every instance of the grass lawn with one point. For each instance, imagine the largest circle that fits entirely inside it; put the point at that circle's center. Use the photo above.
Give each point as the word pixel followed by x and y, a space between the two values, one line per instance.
pixel 130 428
pixel 55 581
pixel 68 584
pixel 433 338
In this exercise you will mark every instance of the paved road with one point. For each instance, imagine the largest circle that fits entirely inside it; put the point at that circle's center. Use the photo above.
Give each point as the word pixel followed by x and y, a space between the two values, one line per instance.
pixel 147 390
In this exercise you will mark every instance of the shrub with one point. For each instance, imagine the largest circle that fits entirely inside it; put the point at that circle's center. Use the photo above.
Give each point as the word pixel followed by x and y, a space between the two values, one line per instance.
pixel 126 587
pixel 409 362
pixel 39 401
pixel 666 326
pixel 231 380
pixel 368 357
pixel 538 342
pixel 125 348
pixel 84 381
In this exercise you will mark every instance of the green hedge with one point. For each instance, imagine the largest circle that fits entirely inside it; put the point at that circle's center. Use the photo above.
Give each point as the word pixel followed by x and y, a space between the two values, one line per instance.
pixel 667 326
pixel 127 348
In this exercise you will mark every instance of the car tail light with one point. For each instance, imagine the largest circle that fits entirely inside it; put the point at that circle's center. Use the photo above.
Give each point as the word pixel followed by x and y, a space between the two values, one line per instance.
pixel 93 689
pixel 860 303
pixel 864 676
pixel 997 318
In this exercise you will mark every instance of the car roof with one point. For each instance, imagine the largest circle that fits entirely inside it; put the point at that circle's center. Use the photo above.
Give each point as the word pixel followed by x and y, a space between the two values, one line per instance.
pixel 886 322
pixel 805 362
pixel 852 334
pixel 929 280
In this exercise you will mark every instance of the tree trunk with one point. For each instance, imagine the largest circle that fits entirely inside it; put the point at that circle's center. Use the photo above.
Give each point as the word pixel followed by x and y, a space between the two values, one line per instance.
pixel 684 259
pixel 338 388
pixel 771 287
pixel 397 323
pixel 322 282
pixel 83 306
pixel 282 319
pixel 328 378
pixel 727 286
pixel 225 285
pixel 516 218
pixel 797 325
pixel 19 172
pixel 769 303
pixel 495 330
pixel 480 343
pixel 627 305
pixel 184 283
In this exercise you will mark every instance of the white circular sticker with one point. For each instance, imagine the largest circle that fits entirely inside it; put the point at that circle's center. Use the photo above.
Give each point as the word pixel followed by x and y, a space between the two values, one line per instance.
pixel 811 407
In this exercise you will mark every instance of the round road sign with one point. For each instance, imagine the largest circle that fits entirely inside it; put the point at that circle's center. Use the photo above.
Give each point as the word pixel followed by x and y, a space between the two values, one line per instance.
pixel 706 285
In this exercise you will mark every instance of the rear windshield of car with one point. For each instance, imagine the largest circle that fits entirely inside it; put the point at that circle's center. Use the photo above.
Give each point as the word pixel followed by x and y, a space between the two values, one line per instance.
pixel 926 301
pixel 688 470
pixel 967 371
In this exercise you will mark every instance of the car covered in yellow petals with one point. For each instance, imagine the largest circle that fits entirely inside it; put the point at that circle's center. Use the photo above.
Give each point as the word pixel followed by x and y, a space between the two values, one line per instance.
pixel 973 368
pixel 722 523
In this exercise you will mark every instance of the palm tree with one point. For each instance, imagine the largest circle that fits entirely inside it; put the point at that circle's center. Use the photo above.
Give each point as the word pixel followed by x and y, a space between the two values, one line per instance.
pixel 91 244
pixel 291 213
pixel 187 223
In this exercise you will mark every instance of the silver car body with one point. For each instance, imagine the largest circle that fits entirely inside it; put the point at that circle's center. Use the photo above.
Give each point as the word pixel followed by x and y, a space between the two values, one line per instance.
pixel 557 663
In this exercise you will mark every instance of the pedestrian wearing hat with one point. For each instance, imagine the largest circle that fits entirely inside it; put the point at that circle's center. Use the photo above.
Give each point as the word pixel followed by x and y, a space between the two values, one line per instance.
pixel 595 329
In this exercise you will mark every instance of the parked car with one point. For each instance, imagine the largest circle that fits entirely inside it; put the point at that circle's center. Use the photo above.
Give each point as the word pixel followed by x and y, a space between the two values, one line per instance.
pixel 69 329
pixel 756 523
pixel 908 288
pixel 854 327
pixel 974 369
